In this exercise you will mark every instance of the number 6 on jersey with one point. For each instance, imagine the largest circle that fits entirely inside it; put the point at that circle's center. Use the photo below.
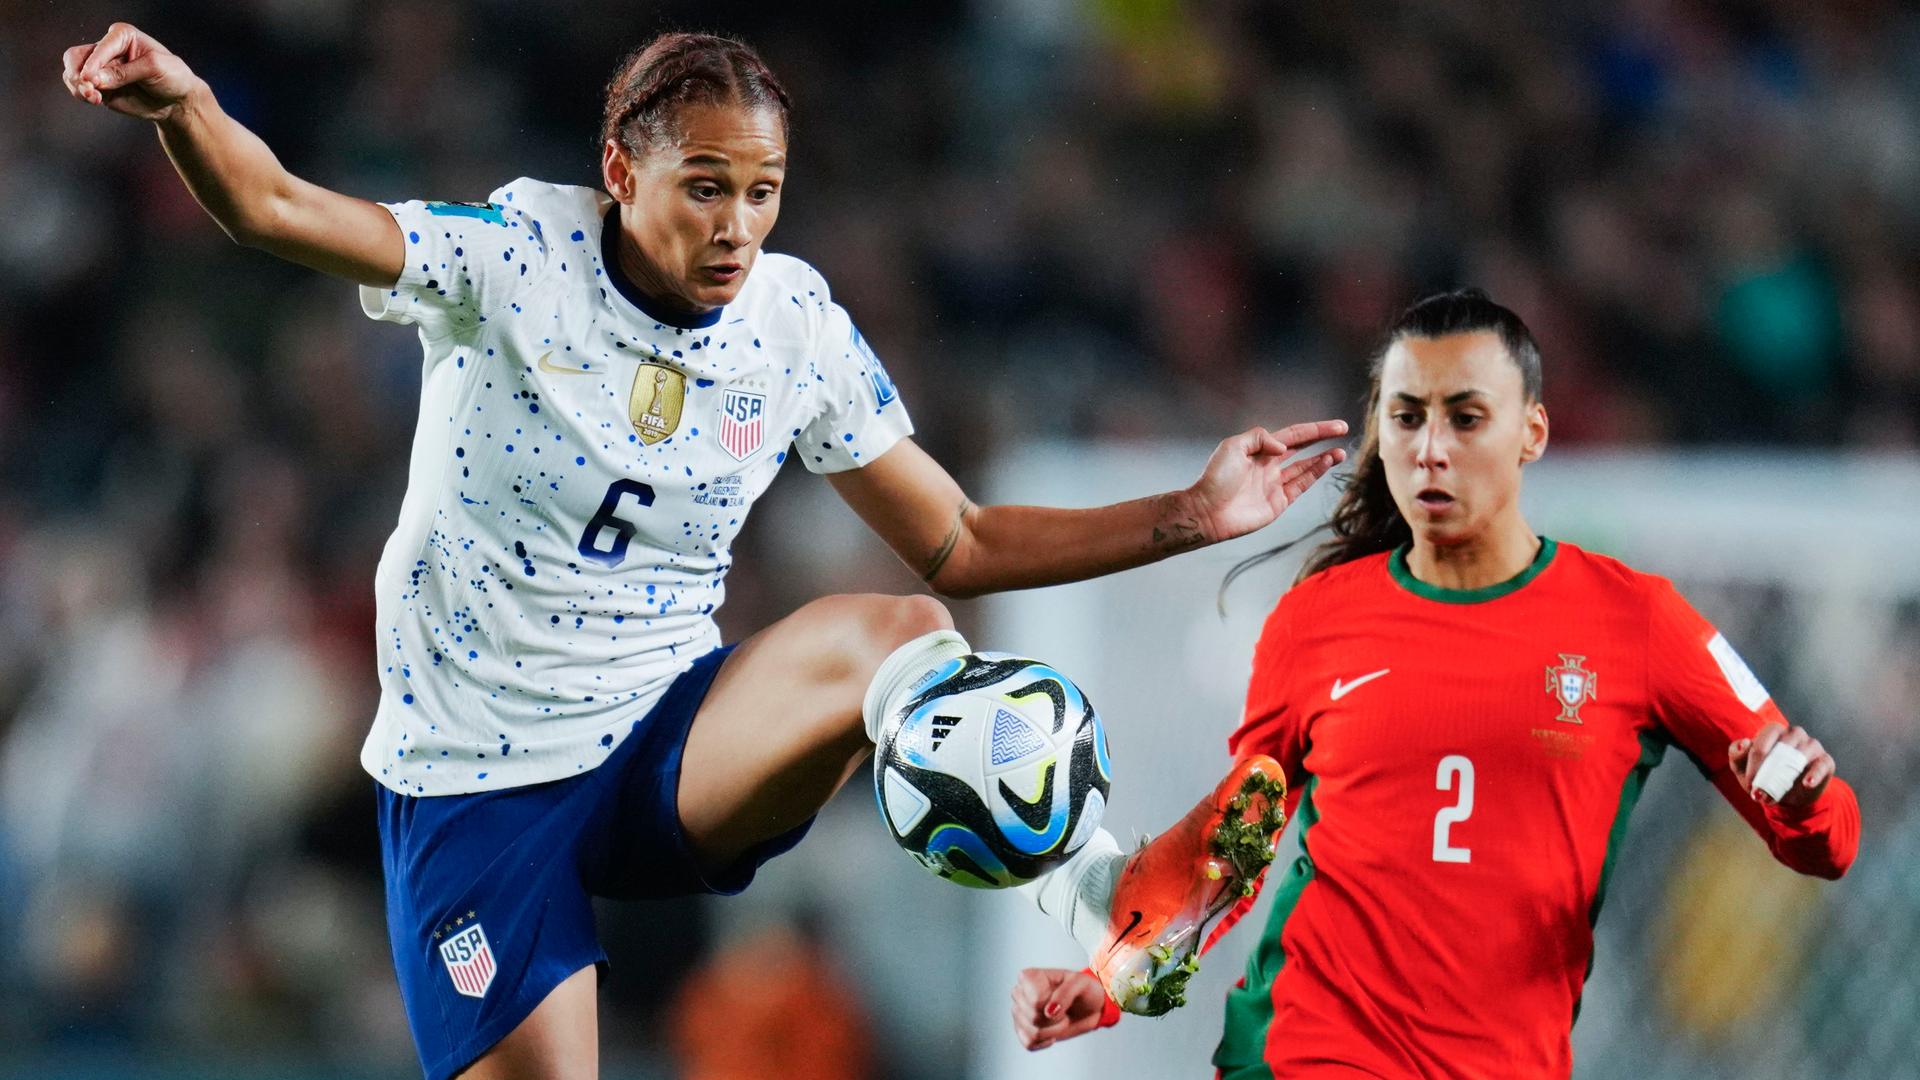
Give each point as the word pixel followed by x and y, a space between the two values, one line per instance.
pixel 1450 766
pixel 623 530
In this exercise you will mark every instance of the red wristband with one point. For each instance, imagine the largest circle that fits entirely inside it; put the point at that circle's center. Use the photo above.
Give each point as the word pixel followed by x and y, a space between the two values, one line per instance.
pixel 1109 1009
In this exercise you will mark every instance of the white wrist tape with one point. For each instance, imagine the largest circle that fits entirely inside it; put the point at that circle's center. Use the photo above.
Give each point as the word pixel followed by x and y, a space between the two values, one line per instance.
pixel 1783 766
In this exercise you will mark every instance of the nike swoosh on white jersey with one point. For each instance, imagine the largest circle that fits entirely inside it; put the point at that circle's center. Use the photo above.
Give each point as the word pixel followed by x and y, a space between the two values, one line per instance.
pixel 545 365
pixel 1341 690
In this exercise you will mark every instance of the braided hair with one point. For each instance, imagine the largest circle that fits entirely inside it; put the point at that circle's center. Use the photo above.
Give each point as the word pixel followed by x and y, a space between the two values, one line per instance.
pixel 676 69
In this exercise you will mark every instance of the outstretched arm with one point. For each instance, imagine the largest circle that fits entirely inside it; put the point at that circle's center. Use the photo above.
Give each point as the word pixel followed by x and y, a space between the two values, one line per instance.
pixel 235 177
pixel 966 550
pixel 1718 711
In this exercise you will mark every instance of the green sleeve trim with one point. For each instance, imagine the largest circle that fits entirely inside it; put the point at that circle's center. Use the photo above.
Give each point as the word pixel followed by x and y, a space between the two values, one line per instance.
pixel 1653 748
pixel 1397 566
pixel 1242 1053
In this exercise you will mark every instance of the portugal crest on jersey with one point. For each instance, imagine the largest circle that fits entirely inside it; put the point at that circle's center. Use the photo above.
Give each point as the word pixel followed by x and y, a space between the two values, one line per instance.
pixel 742 422
pixel 1572 685
pixel 654 407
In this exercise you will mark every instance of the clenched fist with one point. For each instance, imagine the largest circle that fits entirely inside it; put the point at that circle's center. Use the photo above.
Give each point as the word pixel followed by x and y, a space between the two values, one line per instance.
pixel 1051 1004
pixel 128 72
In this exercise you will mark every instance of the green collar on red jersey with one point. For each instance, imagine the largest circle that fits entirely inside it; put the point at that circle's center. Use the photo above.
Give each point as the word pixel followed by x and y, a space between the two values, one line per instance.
pixel 1397 566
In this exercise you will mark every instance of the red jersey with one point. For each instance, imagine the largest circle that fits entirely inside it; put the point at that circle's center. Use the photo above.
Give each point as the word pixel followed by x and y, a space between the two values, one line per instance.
pixel 1462 764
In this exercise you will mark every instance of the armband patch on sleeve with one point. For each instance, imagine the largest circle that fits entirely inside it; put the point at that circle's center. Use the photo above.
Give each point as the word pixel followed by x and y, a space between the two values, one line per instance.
pixel 1746 686
pixel 884 393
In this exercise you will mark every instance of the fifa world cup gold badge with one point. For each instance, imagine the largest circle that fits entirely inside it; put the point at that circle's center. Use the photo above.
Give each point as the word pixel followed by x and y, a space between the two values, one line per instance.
pixel 1572 686
pixel 654 407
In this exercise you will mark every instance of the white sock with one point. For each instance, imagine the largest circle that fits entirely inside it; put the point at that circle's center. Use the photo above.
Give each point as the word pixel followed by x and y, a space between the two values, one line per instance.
pixel 1078 893
pixel 900 673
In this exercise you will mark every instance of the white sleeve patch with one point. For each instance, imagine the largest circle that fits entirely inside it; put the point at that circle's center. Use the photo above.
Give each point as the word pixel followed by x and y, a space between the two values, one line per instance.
pixel 1745 685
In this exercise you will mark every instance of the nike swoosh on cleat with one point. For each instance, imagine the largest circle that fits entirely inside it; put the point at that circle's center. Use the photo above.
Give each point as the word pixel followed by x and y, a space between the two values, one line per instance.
pixel 1128 932
pixel 547 366
pixel 1341 690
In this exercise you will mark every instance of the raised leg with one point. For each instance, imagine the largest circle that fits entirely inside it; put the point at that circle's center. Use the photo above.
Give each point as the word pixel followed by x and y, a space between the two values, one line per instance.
pixel 781 728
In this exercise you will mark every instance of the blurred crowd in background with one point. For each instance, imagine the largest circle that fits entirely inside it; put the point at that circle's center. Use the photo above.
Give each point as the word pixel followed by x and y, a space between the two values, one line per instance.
pixel 1087 219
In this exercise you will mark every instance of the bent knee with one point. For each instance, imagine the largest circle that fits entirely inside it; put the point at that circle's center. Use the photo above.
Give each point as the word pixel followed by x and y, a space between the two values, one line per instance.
pixel 869 626
pixel 900 619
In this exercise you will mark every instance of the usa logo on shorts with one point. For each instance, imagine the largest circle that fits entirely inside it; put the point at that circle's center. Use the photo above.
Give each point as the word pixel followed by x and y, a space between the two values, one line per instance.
pixel 469 961
pixel 741 426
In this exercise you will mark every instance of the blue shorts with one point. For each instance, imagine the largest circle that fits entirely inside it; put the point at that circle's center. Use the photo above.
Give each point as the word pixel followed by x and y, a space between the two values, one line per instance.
pixel 489 895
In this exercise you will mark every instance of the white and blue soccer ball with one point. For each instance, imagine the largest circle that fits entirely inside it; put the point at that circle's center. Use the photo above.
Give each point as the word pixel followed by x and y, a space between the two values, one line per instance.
pixel 993 771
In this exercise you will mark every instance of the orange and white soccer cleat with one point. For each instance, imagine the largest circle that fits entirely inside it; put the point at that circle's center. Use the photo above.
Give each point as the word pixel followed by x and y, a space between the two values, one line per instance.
pixel 1171 891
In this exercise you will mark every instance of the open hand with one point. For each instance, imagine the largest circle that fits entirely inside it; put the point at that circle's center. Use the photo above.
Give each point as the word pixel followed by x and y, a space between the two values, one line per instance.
pixel 1051 1004
pixel 1253 476
pixel 128 72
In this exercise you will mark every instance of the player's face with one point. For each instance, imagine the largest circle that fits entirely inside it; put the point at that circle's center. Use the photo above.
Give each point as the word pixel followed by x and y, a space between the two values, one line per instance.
pixel 699 209
pixel 1455 427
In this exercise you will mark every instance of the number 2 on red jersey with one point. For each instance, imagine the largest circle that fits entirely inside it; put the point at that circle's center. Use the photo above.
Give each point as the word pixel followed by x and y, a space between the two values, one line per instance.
pixel 1451 766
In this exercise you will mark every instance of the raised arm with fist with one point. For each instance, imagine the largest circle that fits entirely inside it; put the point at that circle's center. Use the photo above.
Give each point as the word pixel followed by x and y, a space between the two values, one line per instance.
pixel 235 177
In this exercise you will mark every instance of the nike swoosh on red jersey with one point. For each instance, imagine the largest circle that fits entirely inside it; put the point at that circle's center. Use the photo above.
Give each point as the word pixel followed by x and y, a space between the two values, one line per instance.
pixel 1341 690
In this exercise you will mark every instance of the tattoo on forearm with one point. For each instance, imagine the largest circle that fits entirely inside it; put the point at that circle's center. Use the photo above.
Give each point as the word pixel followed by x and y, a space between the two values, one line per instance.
pixel 946 546
pixel 1176 532
pixel 1178 536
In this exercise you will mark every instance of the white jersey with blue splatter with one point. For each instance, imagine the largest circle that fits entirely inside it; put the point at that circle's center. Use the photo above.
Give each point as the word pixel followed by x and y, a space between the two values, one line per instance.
pixel 580 469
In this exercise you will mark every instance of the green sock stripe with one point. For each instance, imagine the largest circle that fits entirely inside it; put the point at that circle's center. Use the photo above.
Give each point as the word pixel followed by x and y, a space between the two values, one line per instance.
pixel 1242 1052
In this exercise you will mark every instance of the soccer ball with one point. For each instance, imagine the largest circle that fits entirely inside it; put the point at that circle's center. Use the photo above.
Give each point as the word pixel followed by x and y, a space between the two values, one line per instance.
pixel 994 770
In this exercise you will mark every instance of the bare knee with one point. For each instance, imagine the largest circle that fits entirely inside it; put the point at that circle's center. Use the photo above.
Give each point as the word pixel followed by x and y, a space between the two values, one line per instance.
pixel 867 627
pixel 900 619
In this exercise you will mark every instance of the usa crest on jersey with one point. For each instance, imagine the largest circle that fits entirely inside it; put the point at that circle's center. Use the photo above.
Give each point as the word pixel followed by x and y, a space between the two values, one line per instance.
pixel 469 961
pixel 742 422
